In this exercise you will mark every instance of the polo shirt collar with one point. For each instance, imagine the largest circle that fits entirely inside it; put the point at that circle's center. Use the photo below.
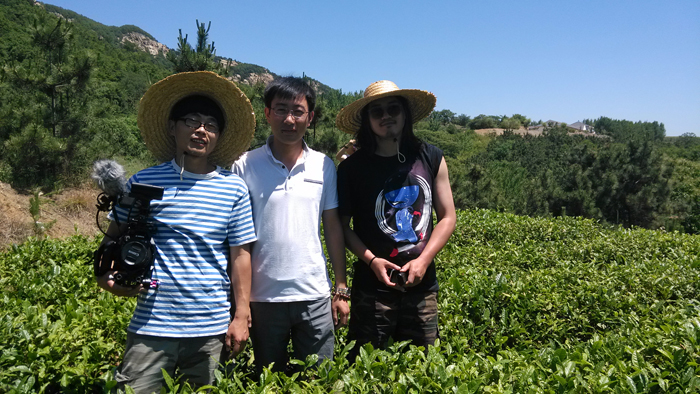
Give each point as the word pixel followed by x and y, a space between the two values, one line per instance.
pixel 304 147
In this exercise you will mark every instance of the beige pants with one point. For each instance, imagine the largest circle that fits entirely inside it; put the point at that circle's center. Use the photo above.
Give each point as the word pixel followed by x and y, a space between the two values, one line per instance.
pixel 195 360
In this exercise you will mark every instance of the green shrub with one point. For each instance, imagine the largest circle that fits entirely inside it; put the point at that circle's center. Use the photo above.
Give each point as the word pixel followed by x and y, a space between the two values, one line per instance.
pixel 526 305
pixel 34 157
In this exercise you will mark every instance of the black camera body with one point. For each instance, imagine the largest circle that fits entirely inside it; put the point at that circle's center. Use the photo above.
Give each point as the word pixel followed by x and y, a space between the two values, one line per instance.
pixel 397 277
pixel 132 254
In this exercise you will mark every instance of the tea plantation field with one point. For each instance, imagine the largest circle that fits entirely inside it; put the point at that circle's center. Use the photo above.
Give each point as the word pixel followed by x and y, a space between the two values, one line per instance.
pixel 526 306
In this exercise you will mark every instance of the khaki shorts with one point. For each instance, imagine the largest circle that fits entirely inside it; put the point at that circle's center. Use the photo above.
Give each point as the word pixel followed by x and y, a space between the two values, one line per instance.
pixel 195 359
pixel 377 315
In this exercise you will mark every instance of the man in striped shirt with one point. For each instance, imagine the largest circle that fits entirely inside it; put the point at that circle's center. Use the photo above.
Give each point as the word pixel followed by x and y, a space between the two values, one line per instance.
pixel 195 124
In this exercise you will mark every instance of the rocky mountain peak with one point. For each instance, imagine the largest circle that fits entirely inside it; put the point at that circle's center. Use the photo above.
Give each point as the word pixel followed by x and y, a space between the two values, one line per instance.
pixel 253 78
pixel 145 44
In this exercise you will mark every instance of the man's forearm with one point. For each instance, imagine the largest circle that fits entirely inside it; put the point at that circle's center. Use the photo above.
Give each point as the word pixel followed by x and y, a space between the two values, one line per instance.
pixel 241 278
pixel 354 243
pixel 335 245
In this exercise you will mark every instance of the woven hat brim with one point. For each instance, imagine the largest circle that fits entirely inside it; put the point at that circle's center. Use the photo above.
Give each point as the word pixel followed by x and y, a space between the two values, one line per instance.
pixel 420 102
pixel 156 104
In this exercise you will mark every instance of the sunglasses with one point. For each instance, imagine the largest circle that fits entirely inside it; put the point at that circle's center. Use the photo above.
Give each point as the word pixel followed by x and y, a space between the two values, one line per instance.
pixel 391 110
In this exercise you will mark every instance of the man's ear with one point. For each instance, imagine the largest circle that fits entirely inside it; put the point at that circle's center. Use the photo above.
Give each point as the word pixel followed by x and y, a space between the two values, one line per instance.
pixel 171 127
pixel 267 114
pixel 309 118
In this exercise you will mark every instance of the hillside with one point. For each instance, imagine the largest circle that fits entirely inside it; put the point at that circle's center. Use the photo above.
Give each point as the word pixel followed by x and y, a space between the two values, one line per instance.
pixel 240 72
pixel 127 38
pixel 122 36
pixel 67 213
pixel 69 93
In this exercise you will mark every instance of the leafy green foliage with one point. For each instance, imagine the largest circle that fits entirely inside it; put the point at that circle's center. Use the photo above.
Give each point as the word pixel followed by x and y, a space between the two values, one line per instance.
pixel 60 333
pixel 70 86
pixel 111 34
pixel 484 122
pixel 510 124
pixel 560 174
pixel 33 155
pixel 525 305
pixel 624 130
pixel 61 79
pixel 40 228
pixel 54 83
pixel 199 58
pixel 522 120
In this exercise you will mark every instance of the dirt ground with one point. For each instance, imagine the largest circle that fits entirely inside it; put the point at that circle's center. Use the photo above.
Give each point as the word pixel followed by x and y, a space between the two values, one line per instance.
pixel 71 211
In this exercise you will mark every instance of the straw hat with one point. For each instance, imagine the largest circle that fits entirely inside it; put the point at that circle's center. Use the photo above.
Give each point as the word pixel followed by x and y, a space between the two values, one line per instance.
pixel 156 104
pixel 420 102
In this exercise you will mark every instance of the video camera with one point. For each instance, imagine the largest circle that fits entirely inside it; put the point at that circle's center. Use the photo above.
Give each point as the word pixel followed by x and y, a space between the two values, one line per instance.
pixel 132 254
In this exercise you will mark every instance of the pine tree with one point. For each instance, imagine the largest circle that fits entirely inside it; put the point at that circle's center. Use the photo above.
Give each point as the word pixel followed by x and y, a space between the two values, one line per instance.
pixel 201 58
pixel 51 84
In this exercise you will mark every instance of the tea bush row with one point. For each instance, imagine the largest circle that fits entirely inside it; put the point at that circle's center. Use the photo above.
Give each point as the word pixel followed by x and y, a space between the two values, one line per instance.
pixel 527 305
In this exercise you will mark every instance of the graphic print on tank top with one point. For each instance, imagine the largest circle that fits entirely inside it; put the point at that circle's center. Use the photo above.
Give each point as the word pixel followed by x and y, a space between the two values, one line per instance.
pixel 403 210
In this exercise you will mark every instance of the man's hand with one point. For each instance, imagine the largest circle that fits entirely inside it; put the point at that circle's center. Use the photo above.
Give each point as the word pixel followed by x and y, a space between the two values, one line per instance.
pixel 237 334
pixel 341 311
pixel 381 268
pixel 107 282
pixel 416 271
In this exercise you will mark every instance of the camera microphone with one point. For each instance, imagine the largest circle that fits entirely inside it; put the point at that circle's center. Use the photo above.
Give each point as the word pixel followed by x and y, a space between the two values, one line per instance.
pixel 110 177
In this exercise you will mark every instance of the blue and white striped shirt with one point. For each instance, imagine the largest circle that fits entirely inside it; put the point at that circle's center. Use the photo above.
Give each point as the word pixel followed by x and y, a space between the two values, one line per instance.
pixel 197 221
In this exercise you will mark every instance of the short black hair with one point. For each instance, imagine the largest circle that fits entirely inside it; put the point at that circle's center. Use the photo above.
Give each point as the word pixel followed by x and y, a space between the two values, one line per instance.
pixel 289 88
pixel 200 104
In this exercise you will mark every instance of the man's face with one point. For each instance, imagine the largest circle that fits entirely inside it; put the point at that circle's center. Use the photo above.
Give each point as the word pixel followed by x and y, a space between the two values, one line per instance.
pixel 386 117
pixel 194 139
pixel 288 119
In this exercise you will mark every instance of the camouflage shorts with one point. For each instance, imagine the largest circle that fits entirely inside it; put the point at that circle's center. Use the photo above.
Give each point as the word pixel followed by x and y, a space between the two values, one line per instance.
pixel 377 315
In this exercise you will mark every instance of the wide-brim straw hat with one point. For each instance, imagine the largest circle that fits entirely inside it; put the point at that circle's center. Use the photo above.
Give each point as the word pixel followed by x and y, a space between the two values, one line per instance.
pixel 156 104
pixel 420 102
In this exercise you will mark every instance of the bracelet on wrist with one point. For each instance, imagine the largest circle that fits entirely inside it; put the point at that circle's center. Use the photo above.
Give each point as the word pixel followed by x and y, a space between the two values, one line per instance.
pixel 370 261
pixel 342 292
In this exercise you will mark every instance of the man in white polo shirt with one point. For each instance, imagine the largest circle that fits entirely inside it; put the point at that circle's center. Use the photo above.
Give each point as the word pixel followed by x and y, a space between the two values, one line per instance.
pixel 292 189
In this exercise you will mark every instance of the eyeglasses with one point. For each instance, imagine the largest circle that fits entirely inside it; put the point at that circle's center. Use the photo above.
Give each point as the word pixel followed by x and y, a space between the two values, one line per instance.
pixel 195 124
pixel 284 112
pixel 392 110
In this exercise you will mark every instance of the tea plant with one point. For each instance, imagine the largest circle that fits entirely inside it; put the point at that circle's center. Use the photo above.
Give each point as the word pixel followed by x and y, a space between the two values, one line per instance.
pixel 40 228
pixel 526 306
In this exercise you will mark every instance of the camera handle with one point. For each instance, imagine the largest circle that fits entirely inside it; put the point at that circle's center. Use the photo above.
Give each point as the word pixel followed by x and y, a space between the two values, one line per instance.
pixel 103 257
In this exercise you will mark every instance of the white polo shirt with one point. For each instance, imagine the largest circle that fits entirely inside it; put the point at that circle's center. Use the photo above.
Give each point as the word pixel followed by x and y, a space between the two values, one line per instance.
pixel 287 260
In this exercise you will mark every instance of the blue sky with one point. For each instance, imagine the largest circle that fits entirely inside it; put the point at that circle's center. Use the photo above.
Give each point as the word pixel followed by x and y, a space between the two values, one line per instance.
pixel 560 60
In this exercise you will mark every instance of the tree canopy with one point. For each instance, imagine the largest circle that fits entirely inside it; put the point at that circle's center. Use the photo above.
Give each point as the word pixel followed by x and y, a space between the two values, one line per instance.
pixel 71 86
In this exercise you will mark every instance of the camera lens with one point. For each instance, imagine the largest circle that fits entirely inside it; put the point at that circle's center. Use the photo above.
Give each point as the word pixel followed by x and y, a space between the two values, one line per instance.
pixel 136 253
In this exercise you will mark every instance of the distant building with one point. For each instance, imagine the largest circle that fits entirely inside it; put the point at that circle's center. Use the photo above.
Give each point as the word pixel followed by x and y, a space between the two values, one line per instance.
pixel 578 126
pixel 582 127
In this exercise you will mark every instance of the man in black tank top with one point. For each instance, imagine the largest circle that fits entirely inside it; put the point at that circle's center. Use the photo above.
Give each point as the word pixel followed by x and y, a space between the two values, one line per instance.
pixel 389 188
